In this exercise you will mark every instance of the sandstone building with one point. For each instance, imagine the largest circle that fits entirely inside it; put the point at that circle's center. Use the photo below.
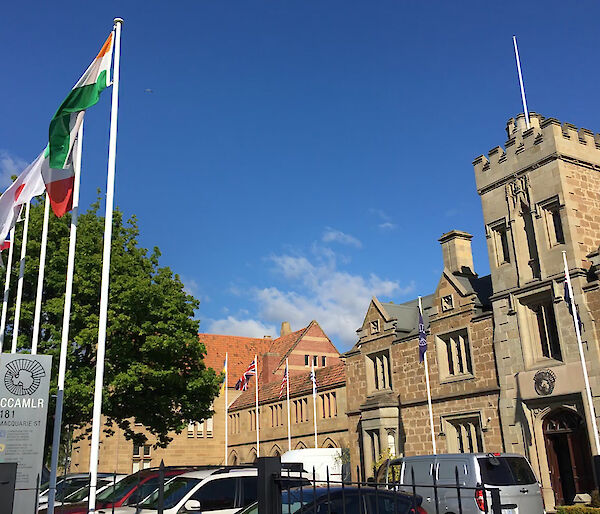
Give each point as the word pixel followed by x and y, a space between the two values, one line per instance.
pixel 387 400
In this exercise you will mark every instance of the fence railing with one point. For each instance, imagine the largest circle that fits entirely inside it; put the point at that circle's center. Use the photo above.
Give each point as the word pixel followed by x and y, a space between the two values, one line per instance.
pixel 293 489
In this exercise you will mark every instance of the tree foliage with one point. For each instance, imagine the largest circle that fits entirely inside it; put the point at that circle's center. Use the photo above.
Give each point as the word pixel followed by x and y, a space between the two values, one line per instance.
pixel 154 374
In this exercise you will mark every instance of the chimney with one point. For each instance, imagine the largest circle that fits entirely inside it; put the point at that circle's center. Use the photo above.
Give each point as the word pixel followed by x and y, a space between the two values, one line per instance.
pixel 285 329
pixel 456 251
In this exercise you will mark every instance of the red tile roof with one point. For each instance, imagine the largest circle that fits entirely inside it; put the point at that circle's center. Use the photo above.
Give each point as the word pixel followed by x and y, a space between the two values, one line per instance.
pixel 300 385
pixel 241 351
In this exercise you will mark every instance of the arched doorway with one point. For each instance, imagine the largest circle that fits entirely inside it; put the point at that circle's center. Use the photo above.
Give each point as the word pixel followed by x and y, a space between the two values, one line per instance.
pixel 569 456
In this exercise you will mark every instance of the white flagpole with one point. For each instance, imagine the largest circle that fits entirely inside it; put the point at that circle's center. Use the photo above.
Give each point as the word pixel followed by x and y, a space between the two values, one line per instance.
pixel 582 356
pixel 428 392
pixel 110 192
pixel 314 388
pixel 15 334
pixel 226 406
pixel 257 416
pixel 6 288
pixel 524 100
pixel 287 385
pixel 40 283
pixel 64 342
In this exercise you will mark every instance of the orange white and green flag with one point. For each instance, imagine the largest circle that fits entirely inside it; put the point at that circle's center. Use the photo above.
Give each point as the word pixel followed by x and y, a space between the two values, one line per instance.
pixel 58 175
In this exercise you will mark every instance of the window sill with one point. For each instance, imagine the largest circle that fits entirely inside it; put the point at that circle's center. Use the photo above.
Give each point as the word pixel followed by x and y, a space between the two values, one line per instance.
pixel 545 363
pixel 457 378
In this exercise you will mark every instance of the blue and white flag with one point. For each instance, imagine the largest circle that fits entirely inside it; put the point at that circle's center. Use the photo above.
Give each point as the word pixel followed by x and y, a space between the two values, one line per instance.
pixel 575 315
pixel 313 379
pixel 422 338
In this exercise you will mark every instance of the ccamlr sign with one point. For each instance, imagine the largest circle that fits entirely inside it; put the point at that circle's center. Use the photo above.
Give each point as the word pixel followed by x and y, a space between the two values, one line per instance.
pixel 24 389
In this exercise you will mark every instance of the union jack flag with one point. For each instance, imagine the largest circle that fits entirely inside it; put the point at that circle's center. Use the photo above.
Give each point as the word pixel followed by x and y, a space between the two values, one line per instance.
pixel 284 381
pixel 242 383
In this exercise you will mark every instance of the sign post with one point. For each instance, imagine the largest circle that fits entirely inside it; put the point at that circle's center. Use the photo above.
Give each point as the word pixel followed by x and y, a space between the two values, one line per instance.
pixel 24 390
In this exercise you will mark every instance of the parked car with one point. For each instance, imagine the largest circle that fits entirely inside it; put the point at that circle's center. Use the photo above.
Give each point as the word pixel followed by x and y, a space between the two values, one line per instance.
pixel 225 490
pixel 82 493
pixel 129 491
pixel 342 500
pixel 510 473
pixel 67 485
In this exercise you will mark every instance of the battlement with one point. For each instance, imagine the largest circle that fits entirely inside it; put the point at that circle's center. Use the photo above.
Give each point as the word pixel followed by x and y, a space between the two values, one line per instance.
pixel 547 138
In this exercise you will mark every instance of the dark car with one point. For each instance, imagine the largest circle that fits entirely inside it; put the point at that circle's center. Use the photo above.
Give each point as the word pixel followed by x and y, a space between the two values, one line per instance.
pixel 128 491
pixel 345 500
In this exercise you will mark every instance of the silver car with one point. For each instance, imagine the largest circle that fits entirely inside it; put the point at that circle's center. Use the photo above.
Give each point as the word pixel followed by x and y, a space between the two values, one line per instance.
pixel 477 472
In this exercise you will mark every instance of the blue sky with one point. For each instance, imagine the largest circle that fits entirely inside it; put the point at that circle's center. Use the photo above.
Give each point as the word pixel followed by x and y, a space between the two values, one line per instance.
pixel 296 157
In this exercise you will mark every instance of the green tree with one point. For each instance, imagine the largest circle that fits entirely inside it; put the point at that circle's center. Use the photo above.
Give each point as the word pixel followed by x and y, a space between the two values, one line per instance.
pixel 154 374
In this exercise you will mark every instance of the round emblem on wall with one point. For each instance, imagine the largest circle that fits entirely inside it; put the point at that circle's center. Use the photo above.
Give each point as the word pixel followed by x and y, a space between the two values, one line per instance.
pixel 23 376
pixel 544 381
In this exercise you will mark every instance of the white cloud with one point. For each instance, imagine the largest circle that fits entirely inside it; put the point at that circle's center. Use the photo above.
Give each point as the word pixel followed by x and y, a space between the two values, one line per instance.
pixel 9 166
pixel 319 290
pixel 387 226
pixel 380 214
pixel 239 327
pixel 332 235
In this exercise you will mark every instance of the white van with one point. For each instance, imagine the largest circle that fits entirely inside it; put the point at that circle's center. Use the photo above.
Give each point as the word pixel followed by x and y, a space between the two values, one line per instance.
pixel 321 459
pixel 510 473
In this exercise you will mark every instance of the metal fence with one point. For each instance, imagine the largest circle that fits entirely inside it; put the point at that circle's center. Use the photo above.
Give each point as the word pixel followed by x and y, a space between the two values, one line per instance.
pixel 288 489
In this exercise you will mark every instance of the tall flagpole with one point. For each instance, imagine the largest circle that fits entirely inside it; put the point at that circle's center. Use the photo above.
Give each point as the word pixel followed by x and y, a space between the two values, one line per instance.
pixel 64 342
pixel 588 390
pixel 287 385
pixel 523 99
pixel 40 283
pixel 428 392
pixel 15 334
pixel 314 389
pixel 226 406
pixel 6 288
pixel 110 192
pixel 257 416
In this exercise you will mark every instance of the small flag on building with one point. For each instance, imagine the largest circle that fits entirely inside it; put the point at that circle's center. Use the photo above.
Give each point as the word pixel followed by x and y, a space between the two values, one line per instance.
pixel 313 379
pixel 422 338
pixel 283 381
pixel 570 304
pixel 224 384
pixel 242 383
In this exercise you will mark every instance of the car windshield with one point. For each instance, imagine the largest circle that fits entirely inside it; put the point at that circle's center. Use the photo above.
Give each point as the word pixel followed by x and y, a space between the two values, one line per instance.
pixel 117 492
pixel 174 491
pixel 79 495
pixel 506 471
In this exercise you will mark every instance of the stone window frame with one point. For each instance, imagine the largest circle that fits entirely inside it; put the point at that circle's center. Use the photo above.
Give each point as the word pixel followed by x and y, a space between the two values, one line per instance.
pixel 450 303
pixel 379 370
pixel 441 346
pixel 375 326
pixel 328 405
pixel 449 431
pixel 551 210
pixel 501 245
pixel 529 329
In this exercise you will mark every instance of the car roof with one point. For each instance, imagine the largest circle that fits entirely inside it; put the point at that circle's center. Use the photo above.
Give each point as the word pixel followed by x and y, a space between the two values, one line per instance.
pixel 225 471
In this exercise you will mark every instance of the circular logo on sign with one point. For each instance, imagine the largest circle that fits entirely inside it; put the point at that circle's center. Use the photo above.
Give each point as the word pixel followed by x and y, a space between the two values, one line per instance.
pixel 544 381
pixel 23 376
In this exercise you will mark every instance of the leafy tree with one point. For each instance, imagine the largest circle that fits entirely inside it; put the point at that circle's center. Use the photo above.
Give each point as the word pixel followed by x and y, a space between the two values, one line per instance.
pixel 154 374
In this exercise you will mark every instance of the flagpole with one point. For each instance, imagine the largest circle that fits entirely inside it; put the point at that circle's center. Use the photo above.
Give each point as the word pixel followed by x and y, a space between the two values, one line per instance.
pixel 40 283
pixel 428 391
pixel 314 388
pixel 15 334
pixel 586 379
pixel 226 406
pixel 64 343
pixel 257 417
pixel 6 288
pixel 287 385
pixel 110 192
pixel 523 99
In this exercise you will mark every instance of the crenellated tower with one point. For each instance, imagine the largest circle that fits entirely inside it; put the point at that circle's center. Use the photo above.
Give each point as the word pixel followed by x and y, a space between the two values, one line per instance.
pixel 540 195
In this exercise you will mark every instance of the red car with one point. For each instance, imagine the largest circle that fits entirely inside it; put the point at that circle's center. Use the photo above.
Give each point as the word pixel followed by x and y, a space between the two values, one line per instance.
pixel 129 491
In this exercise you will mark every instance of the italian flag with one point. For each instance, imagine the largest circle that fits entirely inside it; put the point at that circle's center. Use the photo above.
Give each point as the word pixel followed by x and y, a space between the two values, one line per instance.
pixel 58 173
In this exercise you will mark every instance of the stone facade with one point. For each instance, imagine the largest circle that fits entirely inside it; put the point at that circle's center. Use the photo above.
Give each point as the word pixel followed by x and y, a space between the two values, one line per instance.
pixel 387 397
pixel 330 407
pixel 541 197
